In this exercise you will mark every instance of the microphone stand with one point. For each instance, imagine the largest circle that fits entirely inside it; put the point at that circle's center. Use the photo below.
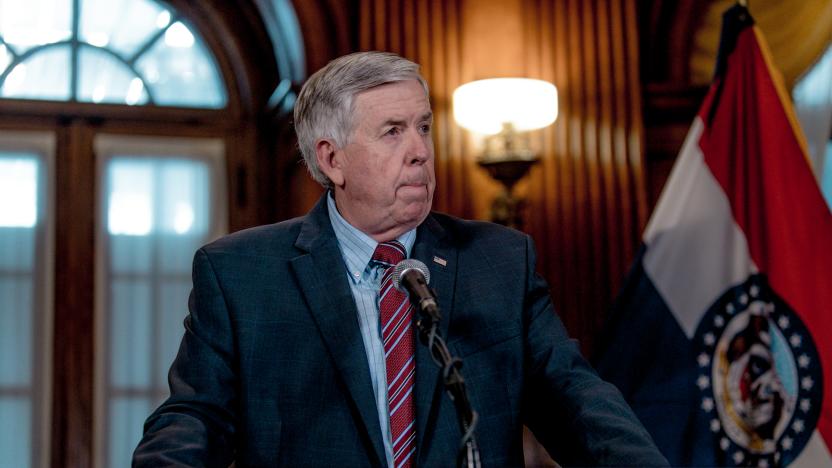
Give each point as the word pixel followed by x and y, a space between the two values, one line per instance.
pixel 428 326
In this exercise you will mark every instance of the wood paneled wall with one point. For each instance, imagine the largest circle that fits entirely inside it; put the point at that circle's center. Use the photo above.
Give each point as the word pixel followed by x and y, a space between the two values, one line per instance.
pixel 586 199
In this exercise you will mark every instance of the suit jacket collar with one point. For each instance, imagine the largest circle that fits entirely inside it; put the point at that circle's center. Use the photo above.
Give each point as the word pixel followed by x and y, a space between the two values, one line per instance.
pixel 318 270
pixel 434 248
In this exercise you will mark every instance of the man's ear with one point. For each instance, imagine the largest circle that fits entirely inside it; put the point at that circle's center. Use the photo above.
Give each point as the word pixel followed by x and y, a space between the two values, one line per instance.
pixel 329 161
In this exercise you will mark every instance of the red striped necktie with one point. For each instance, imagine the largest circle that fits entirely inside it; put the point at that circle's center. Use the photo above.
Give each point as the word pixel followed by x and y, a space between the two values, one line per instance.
pixel 399 342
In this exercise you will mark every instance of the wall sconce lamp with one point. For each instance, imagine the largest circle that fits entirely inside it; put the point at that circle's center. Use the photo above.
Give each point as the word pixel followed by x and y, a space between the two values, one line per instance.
pixel 504 109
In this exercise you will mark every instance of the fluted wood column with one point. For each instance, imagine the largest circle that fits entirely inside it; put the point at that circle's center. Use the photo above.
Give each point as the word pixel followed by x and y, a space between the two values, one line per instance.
pixel 586 198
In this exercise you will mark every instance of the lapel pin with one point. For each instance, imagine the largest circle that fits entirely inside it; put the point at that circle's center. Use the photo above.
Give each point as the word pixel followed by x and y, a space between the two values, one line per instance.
pixel 440 261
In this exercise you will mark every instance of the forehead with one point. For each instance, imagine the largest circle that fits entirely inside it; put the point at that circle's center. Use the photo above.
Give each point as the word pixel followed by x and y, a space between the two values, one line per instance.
pixel 399 100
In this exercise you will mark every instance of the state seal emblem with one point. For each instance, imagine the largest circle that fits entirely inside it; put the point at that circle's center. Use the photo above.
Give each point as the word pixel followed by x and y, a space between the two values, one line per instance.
pixel 759 376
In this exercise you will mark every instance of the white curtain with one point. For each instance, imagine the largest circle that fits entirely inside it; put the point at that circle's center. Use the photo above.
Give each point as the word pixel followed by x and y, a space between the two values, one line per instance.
pixel 158 212
pixel 20 209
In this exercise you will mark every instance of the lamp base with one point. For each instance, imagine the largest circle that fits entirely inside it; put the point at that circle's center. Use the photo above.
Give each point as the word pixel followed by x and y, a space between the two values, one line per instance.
pixel 507 171
pixel 507 209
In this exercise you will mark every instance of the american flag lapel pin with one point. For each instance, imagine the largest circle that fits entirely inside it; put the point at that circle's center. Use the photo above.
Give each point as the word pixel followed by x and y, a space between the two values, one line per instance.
pixel 440 260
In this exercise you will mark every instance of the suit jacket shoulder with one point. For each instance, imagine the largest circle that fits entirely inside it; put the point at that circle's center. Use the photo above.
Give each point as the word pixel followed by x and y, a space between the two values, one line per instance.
pixel 467 231
pixel 271 240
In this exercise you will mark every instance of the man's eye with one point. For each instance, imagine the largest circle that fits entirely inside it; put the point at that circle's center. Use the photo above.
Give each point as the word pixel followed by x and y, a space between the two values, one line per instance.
pixel 425 129
pixel 393 131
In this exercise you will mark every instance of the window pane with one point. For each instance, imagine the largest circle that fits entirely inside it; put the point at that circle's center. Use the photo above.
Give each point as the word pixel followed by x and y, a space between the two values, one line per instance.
pixel 130 333
pixel 149 195
pixel 291 39
pixel 28 23
pixel 106 79
pixel 44 75
pixel 181 72
pixel 17 247
pixel 174 307
pixel 126 419
pixel 15 330
pixel 176 252
pixel 130 209
pixel 131 254
pixel 18 182
pixel 15 432
pixel 184 186
pixel 5 58
pixel 121 25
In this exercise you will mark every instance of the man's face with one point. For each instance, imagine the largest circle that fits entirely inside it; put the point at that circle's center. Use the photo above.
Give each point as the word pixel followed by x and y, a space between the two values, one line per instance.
pixel 384 177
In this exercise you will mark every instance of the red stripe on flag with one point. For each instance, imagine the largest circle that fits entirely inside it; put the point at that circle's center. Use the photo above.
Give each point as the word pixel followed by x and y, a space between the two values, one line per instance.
pixel 751 147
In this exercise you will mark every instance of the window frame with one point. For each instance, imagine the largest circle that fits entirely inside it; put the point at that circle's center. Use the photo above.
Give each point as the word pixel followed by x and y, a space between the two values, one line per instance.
pixel 107 146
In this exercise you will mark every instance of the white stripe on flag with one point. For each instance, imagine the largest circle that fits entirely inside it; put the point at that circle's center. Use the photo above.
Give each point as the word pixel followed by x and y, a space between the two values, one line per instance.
pixel 693 226
pixel 814 454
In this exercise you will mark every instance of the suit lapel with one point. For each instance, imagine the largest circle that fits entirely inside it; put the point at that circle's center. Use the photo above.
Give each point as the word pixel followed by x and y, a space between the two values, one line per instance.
pixel 430 249
pixel 320 272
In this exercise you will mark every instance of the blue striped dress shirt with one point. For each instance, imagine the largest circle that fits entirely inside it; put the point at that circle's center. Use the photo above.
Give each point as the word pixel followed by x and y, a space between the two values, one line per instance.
pixel 365 280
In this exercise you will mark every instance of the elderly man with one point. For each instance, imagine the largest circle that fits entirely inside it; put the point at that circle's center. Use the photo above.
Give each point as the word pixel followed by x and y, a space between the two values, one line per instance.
pixel 298 352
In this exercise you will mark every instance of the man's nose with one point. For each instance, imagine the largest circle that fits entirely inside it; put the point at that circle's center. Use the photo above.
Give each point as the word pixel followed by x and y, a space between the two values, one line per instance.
pixel 419 147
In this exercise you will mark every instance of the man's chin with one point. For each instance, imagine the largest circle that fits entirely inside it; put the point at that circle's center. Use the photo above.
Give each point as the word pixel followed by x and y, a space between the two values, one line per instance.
pixel 415 212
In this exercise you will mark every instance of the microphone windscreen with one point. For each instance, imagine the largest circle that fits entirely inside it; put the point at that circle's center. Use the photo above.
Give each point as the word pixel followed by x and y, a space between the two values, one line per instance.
pixel 405 265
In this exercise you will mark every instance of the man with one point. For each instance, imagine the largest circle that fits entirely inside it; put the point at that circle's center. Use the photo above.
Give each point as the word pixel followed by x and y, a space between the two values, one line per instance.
pixel 298 352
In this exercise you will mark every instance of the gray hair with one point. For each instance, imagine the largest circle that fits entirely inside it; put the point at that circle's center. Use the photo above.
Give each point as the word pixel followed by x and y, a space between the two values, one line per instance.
pixel 324 108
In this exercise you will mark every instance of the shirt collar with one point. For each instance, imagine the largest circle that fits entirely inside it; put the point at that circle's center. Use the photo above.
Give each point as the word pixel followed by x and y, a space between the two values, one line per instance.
pixel 357 247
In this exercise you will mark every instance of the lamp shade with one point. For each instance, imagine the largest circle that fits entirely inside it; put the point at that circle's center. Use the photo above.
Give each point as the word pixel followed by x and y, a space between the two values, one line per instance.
pixel 483 106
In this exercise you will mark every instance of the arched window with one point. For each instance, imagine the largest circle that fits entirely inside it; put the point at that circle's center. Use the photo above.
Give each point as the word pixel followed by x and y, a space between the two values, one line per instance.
pixel 132 52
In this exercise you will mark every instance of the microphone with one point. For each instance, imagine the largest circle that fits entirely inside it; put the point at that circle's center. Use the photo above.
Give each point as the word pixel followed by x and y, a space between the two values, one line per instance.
pixel 412 276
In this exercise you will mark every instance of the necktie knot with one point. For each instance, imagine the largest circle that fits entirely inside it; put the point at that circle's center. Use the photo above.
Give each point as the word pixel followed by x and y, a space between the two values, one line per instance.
pixel 389 253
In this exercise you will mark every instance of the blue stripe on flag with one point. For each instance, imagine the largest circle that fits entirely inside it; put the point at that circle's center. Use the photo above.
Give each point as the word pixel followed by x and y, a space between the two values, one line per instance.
pixel 644 348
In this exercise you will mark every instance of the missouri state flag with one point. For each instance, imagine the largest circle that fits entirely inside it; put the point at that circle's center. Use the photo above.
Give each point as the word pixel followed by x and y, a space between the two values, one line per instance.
pixel 721 338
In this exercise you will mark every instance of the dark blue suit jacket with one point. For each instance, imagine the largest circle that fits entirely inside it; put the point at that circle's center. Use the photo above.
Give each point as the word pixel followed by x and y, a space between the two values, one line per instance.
pixel 272 370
